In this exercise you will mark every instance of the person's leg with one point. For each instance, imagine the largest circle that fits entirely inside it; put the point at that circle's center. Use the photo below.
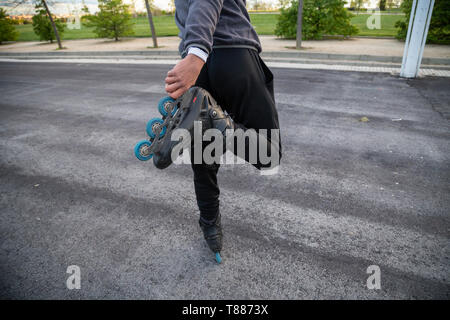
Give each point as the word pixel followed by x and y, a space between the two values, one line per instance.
pixel 206 190
pixel 243 86
pixel 205 176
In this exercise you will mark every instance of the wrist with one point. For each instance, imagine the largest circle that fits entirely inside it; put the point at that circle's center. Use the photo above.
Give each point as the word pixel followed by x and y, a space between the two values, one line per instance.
pixel 198 52
pixel 195 60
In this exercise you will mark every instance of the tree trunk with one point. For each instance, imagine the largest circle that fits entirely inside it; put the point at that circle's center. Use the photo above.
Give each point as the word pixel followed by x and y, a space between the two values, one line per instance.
pixel 152 26
pixel 55 30
pixel 299 24
pixel 116 33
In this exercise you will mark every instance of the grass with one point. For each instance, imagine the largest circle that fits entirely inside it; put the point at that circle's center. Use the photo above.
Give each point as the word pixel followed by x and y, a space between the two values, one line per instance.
pixel 264 24
pixel 165 26
pixel 387 25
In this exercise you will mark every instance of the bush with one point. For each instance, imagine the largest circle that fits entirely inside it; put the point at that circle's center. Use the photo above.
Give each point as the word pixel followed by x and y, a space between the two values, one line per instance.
pixel 112 21
pixel 43 27
pixel 14 21
pixel 320 17
pixel 439 31
pixel 155 12
pixel 7 30
pixel 287 22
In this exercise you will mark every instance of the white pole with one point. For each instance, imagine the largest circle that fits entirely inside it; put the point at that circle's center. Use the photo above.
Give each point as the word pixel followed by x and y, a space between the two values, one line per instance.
pixel 425 36
pixel 417 35
pixel 408 35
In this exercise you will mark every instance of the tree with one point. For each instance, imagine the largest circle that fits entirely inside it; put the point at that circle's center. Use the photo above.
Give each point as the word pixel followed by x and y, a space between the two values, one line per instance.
pixel 360 4
pixel 43 26
pixel 283 3
pixel 112 21
pixel 439 30
pixel 41 4
pixel 390 4
pixel 150 22
pixel 357 4
pixel 299 24
pixel 171 6
pixel 53 23
pixel 132 8
pixel 7 30
pixel 259 5
pixel 382 5
pixel 320 17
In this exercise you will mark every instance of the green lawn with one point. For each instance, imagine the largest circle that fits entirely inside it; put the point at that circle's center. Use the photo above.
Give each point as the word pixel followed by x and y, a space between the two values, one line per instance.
pixel 264 23
pixel 387 25
pixel 165 26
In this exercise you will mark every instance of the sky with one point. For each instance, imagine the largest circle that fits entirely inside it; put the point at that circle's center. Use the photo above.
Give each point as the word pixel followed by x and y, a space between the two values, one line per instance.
pixel 67 6
pixel 163 4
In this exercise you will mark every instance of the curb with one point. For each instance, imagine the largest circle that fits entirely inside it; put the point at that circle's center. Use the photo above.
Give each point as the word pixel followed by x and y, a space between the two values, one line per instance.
pixel 264 54
pixel 441 71
pixel 352 57
pixel 173 59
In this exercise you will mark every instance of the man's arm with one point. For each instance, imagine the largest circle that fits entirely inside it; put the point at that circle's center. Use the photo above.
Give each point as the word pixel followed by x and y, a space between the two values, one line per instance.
pixel 200 25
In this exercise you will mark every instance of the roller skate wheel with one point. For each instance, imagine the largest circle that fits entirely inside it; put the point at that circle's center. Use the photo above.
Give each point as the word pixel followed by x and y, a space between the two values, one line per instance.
pixel 141 150
pixel 218 257
pixel 165 105
pixel 153 126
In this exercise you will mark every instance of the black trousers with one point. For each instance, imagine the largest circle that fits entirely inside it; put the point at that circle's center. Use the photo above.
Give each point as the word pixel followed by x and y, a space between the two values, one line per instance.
pixel 242 85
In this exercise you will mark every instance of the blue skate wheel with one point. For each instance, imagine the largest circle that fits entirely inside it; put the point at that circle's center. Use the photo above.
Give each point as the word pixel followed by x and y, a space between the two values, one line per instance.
pixel 218 257
pixel 140 150
pixel 152 125
pixel 164 104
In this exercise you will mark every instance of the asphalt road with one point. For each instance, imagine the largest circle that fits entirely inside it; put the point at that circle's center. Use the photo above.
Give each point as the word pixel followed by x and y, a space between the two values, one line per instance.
pixel 349 194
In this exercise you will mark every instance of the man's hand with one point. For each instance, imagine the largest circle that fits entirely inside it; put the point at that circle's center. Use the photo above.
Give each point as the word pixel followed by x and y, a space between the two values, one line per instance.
pixel 183 75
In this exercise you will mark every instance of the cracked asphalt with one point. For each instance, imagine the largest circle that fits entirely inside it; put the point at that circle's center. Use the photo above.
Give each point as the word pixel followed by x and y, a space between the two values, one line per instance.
pixel 349 193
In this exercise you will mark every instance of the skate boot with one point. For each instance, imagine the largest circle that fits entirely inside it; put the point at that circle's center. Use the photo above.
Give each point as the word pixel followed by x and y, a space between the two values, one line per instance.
pixel 212 231
pixel 195 105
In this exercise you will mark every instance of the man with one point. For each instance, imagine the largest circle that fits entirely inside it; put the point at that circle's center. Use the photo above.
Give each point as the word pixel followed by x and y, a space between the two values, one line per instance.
pixel 220 53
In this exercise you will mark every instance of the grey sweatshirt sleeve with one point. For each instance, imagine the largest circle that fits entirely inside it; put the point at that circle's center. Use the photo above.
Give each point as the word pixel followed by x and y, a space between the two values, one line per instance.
pixel 201 23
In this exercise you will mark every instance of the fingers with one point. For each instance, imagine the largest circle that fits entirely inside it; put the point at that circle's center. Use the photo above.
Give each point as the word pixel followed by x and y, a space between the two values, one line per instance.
pixel 172 77
pixel 171 73
pixel 178 93
pixel 170 80
pixel 182 76
pixel 170 88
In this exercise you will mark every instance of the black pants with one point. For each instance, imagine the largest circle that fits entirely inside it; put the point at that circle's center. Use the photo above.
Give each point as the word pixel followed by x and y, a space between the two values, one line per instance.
pixel 242 85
